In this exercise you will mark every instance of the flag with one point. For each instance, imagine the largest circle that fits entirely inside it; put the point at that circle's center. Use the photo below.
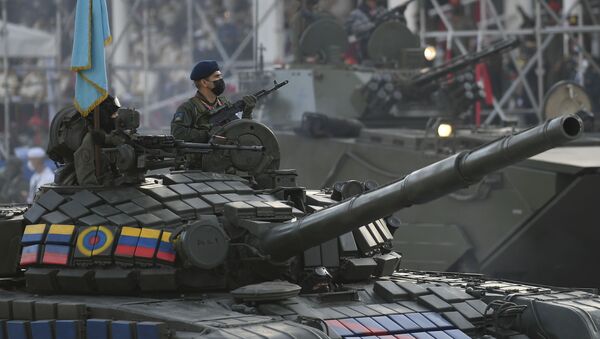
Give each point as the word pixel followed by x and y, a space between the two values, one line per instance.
pixel 92 34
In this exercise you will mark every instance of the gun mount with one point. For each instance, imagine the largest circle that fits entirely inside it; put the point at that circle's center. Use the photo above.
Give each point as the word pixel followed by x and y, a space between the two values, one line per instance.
pixel 389 93
pixel 140 153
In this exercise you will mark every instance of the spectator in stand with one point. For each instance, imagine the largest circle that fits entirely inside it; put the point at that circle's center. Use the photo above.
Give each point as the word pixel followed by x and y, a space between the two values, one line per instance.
pixel 42 174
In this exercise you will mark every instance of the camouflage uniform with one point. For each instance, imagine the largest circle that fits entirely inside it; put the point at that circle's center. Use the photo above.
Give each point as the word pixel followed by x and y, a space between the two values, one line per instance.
pixel 191 123
pixel 191 120
pixel 71 144
pixel 85 161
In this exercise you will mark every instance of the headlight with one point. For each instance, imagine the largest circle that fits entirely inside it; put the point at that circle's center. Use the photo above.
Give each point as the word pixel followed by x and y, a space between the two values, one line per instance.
pixel 444 130
pixel 429 53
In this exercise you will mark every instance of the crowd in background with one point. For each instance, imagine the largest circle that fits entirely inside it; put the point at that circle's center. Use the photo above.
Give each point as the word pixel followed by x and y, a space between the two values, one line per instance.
pixel 36 93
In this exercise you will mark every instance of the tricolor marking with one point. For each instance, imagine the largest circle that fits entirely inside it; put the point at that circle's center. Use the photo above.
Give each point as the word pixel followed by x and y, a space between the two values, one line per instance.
pixel 56 255
pixel 60 234
pixel 147 243
pixel 127 241
pixel 166 251
pixel 33 234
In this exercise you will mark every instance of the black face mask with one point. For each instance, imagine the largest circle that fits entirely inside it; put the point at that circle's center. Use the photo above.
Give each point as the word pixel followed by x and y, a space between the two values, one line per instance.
pixel 107 123
pixel 219 87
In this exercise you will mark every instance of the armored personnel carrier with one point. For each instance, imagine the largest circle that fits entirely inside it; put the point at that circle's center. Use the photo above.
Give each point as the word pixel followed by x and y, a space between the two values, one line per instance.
pixel 243 252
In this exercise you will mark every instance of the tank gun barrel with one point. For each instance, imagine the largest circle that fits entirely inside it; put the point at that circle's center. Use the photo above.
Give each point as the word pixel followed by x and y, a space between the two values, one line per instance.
pixel 426 184
pixel 463 61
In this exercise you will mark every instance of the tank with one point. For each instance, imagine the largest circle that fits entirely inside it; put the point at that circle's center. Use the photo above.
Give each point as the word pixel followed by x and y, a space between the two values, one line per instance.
pixel 244 252
pixel 352 113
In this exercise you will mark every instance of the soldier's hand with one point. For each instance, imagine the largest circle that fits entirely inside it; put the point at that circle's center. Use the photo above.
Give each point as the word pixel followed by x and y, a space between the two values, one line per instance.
pixel 98 136
pixel 249 101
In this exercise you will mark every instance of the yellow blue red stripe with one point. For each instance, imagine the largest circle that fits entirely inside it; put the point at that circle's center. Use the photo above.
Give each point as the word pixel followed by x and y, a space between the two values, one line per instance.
pixel 56 255
pixel 30 255
pixel 60 234
pixel 127 241
pixel 166 250
pixel 146 246
pixel 33 234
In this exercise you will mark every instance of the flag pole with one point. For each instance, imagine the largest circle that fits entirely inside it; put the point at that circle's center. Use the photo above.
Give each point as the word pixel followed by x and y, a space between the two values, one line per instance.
pixel 97 158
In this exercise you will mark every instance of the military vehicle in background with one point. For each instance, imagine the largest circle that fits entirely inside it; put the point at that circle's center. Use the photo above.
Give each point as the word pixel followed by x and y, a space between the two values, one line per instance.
pixel 397 85
pixel 378 121
pixel 243 252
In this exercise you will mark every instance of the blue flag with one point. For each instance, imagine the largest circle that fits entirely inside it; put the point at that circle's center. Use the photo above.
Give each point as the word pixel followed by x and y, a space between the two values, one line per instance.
pixel 91 35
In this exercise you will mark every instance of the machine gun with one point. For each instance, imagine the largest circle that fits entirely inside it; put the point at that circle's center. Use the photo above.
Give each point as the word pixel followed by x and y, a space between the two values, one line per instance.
pixel 396 89
pixel 225 114
pixel 140 153
pixel 463 61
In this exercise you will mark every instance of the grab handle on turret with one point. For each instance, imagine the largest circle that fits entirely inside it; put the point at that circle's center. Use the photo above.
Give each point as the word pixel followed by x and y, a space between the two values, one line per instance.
pixel 436 180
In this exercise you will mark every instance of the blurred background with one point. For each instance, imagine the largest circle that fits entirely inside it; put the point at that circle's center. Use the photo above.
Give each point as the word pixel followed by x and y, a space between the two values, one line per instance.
pixel 157 42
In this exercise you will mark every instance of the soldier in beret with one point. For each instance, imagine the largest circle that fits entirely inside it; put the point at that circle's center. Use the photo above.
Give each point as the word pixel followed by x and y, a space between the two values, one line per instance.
pixel 191 120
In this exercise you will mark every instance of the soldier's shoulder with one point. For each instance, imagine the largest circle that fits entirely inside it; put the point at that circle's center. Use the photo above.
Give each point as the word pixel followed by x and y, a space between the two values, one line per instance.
pixel 187 105
pixel 181 111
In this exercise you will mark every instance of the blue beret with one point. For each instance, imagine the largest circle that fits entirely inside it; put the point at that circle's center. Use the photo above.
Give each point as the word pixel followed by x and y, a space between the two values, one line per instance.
pixel 203 69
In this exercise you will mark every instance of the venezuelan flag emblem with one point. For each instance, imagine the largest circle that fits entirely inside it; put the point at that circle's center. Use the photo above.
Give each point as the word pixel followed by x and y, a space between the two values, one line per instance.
pixel 166 251
pixel 60 234
pixel 56 255
pixel 33 234
pixel 30 255
pixel 127 241
pixel 146 246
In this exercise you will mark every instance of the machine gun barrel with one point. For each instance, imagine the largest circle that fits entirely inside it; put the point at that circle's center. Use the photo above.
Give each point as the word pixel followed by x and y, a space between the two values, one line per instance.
pixel 436 180
pixel 463 61
pixel 192 147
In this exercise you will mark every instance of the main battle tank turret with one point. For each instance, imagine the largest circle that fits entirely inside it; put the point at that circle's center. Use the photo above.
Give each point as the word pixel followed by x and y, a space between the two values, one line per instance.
pixel 252 232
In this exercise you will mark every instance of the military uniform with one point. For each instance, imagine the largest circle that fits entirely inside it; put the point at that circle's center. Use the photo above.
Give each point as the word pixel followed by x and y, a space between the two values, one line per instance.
pixel 85 161
pixel 191 120
pixel 298 24
pixel 72 145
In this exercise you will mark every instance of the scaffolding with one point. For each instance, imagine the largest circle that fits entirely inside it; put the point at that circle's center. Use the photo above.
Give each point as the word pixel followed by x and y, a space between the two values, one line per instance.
pixel 493 25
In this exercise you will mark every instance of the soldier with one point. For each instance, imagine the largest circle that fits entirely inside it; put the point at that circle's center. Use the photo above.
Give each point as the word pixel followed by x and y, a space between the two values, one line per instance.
pixel 191 120
pixel 72 141
pixel 309 12
pixel 359 25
